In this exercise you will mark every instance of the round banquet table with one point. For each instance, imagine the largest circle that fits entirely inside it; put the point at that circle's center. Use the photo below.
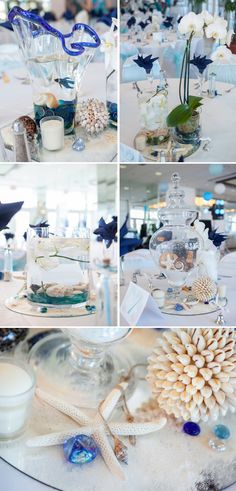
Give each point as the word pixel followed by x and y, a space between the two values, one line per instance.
pixel 217 120
pixel 226 276
pixel 193 463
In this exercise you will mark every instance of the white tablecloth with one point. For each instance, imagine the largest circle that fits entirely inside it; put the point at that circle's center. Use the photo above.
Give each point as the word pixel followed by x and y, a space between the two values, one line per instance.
pixel 226 276
pixel 217 120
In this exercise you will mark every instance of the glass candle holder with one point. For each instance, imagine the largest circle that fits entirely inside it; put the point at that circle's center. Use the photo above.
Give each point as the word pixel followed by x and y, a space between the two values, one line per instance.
pixel 17 385
pixel 52 133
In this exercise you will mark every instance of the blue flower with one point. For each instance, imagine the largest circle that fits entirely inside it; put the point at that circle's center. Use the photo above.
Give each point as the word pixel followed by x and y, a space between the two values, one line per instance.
pixel 143 24
pixel 216 238
pixel 107 231
pixel 9 236
pixel 146 63
pixel 131 22
pixel 200 62
pixel 7 211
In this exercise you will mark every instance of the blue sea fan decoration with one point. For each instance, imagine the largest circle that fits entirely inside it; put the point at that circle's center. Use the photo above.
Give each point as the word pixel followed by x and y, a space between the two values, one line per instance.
pixel 216 238
pixel 146 63
pixel 201 62
pixel 107 231
pixel 7 211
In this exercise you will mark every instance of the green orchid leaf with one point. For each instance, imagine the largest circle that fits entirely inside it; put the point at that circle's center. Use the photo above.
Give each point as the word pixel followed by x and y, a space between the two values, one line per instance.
pixel 194 102
pixel 179 115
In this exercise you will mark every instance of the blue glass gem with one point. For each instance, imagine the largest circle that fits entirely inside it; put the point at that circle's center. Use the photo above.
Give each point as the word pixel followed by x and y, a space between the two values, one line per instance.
pixel 169 290
pixel 191 428
pixel 90 308
pixel 78 145
pixel 179 307
pixel 42 310
pixel 222 432
pixel 80 449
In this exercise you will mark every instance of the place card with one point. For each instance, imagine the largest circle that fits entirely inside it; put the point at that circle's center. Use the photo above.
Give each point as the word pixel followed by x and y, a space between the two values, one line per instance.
pixel 139 308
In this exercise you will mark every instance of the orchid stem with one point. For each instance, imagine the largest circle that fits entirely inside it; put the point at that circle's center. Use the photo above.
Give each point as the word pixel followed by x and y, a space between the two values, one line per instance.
pixel 63 257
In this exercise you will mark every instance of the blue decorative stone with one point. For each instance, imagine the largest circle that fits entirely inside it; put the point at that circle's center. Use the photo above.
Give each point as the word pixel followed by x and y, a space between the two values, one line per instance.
pixel 222 432
pixel 178 307
pixel 191 428
pixel 169 290
pixel 90 308
pixel 80 449
pixel 42 310
pixel 78 145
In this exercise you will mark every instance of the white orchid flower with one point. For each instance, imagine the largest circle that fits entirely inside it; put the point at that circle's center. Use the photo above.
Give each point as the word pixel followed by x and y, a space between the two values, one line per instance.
pixel 216 30
pixel 45 252
pixel 207 17
pixel 109 48
pixel 222 54
pixel 191 23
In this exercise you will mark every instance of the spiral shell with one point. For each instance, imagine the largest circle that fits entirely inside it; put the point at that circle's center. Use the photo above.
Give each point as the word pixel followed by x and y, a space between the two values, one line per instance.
pixel 204 289
pixel 197 384
pixel 93 116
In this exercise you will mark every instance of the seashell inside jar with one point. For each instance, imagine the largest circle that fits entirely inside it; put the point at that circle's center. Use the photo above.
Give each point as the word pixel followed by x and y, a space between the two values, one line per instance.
pixel 58 270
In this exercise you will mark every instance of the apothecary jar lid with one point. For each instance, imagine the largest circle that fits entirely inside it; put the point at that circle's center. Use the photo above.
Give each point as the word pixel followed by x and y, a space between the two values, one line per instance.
pixel 176 212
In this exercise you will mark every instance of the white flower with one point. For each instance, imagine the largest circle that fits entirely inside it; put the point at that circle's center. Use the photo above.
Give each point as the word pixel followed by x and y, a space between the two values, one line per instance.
pixel 208 18
pixel 221 21
pixel 44 249
pixel 222 54
pixel 108 47
pixel 191 23
pixel 216 30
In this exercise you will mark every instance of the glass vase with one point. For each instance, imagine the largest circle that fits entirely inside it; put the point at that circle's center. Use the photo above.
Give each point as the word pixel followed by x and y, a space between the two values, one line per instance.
pixel 153 111
pixel 111 95
pixel 55 62
pixel 80 364
pixel 175 246
pixel 57 269
pixel 189 132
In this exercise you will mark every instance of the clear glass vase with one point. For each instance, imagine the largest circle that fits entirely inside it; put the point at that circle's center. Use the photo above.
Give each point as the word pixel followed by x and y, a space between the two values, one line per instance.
pixel 153 111
pixel 55 62
pixel 174 247
pixel 57 268
pixel 82 365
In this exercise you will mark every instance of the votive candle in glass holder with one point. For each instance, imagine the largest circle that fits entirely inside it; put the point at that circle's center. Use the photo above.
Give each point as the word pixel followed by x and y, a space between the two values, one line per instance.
pixel 52 132
pixel 17 385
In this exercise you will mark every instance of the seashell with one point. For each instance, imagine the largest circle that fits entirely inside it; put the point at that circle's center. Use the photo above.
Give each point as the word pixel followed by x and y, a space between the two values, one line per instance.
pixel 191 349
pixel 198 382
pixel 59 291
pixel 204 289
pixel 51 101
pixel 199 360
pixel 206 373
pixel 195 380
pixel 208 355
pixel 184 359
pixel 191 370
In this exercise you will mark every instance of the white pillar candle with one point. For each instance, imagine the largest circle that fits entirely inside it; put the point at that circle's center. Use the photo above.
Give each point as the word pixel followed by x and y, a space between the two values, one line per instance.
pixel 52 133
pixel 17 385
pixel 159 296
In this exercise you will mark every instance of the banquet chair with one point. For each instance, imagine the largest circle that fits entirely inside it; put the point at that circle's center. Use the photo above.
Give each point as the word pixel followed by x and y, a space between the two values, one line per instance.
pixel 229 260
pixel 225 72
pixel 139 260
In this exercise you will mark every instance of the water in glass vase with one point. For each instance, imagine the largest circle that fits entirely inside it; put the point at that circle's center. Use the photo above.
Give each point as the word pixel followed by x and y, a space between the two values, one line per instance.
pixel 58 271
pixel 55 80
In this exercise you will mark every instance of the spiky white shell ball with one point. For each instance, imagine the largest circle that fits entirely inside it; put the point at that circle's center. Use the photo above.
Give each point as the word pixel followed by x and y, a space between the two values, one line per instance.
pixel 93 116
pixel 204 289
pixel 192 373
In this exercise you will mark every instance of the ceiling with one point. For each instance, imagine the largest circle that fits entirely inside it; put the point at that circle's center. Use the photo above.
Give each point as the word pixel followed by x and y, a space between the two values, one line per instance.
pixel 139 182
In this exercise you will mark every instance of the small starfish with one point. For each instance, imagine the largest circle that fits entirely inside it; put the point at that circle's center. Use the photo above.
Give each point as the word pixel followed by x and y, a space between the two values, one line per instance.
pixel 97 426
pixel 168 263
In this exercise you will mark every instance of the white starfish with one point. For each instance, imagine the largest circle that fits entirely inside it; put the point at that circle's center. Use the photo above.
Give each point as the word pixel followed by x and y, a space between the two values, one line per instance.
pixel 95 426
pixel 168 263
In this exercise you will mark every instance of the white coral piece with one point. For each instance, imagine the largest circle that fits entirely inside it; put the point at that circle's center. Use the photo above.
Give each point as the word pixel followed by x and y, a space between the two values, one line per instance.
pixel 93 116
pixel 204 289
pixel 192 373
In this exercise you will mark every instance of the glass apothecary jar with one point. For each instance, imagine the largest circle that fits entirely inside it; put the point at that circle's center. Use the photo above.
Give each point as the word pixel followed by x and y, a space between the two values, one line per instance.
pixel 175 246
pixel 57 268
pixel 153 111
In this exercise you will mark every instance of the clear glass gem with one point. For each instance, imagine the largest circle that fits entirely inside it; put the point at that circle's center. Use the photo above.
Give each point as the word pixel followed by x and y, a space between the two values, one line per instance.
pixel 217 444
pixel 222 432
pixel 78 145
pixel 80 449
